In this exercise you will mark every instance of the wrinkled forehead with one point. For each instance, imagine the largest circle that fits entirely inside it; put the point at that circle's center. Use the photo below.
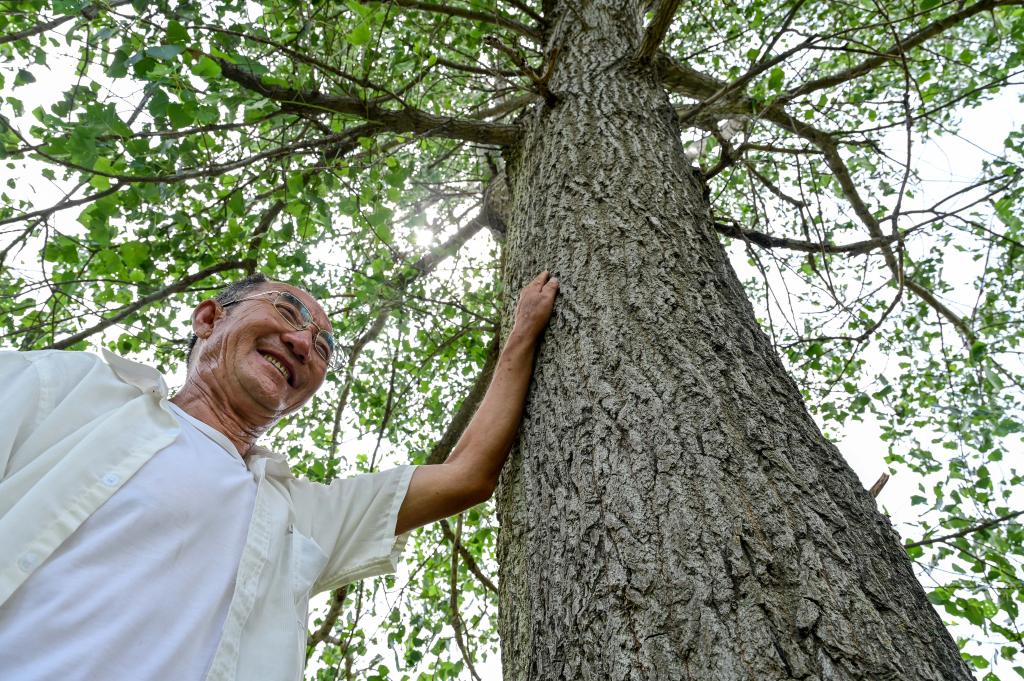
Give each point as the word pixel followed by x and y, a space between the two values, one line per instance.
pixel 319 315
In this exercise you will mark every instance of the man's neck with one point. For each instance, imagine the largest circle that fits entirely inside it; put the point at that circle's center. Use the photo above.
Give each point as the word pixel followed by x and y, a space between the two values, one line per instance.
pixel 201 404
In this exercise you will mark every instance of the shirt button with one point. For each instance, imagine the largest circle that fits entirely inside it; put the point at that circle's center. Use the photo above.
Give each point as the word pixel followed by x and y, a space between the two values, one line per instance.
pixel 28 561
pixel 111 479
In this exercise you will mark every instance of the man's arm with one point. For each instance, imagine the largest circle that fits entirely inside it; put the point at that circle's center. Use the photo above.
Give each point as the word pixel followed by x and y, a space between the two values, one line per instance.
pixel 470 474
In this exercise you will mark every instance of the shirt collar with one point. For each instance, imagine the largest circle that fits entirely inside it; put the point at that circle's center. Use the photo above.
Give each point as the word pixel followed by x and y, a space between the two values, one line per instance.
pixel 149 380
pixel 145 378
pixel 273 463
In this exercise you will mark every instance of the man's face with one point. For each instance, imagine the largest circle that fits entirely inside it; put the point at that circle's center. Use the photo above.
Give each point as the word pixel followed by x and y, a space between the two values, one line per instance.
pixel 263 366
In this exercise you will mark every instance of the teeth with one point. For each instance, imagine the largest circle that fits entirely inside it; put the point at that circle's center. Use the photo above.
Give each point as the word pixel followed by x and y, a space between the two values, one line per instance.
pixel 277 365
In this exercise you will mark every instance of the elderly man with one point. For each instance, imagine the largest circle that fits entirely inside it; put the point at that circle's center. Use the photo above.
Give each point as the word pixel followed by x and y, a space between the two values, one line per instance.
pixel 143 537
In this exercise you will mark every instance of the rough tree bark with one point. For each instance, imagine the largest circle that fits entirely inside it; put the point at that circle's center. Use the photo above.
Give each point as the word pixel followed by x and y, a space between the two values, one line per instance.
pixel 672 511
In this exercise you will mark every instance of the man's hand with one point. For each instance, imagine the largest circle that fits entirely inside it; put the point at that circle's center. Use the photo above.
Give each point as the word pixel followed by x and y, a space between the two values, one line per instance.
pixel 536 301
pixel 470 474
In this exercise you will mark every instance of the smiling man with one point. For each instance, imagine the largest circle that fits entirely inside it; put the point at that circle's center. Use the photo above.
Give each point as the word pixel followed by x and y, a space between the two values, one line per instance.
pixel 143 537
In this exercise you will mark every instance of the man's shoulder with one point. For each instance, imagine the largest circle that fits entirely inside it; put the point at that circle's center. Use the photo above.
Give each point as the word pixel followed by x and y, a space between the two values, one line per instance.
pixel 63 364
pixel 68 358
pixel 59 370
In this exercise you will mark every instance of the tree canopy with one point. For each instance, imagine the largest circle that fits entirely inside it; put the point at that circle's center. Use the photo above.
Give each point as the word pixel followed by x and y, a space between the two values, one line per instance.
pixel 356 148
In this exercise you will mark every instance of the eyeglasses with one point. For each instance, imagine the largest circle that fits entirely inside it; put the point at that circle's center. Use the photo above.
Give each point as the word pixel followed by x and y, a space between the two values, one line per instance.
pixel 298 316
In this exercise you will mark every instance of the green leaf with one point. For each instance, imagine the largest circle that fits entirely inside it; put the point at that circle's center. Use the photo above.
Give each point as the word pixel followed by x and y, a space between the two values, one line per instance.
pixel 978 351
pixel 134 253
pixel 23 77
pixel 360 35
pixel 158 104
pixel 206 68
pixel 101 182
pixel 973 612
pixel 775 78
pixel 176 34
pixel 236 203
pixel 181 115
pixel 164 52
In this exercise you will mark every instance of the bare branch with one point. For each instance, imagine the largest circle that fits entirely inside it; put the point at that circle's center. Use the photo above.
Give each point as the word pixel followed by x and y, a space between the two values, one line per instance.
pixel 876 488
pixel 768 241
pixel 697 85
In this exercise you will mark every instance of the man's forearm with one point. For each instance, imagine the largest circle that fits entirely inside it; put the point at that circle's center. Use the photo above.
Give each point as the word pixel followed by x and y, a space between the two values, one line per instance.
pixel 483 447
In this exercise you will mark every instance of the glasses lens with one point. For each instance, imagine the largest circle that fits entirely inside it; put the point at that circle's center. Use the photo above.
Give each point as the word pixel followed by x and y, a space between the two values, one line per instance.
pixel 299 316
pixel 325 346
pixel 290 314
pixel 293 311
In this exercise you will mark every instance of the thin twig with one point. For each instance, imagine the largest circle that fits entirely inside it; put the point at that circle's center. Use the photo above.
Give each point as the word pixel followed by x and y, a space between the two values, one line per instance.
pixel 966 531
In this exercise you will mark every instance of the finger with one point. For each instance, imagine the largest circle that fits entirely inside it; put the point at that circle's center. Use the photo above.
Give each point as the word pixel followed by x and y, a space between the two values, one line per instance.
pixel 540 279
pixel 552 283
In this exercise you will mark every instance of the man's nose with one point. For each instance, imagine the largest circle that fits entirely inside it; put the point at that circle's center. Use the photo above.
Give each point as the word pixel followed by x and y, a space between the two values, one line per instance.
pixel 300 342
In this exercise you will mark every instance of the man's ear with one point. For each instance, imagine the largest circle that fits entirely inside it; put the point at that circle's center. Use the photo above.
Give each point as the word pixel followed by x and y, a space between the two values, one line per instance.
pixel 205 316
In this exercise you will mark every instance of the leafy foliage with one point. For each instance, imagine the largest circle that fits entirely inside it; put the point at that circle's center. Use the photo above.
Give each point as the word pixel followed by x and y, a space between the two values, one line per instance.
pixel 347 145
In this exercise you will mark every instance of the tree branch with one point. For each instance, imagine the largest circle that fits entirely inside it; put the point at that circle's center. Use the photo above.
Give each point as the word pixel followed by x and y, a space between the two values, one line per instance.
pixel 527 10
pixel 475 15
pixel 768 241
pixel 695 84
pixel 453 602
pixel 402 120
pixel 895 50
pixel 323 632
pixel 63 204
pixel 509 105
pixel 656 30
pixel 161 294
pixel 966 531
pixel 89 12
pixel 467 558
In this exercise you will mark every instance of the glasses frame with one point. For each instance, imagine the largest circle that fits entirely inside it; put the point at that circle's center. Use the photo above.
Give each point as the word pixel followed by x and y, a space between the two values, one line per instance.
pixel 332 360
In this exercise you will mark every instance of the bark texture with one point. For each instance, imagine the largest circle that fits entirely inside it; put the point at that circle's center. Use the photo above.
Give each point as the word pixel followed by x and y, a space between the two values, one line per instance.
pixel 671 510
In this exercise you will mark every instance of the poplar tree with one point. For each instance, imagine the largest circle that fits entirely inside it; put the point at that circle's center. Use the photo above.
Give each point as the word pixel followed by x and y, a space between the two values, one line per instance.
pixel 671 509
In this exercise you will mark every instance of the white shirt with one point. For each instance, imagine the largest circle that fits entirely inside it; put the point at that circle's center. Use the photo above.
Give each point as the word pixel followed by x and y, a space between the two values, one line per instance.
pixel 74 429
pixel 167 542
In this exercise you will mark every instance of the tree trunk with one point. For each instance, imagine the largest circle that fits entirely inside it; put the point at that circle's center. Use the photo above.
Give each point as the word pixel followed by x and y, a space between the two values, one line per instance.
pixel 671 510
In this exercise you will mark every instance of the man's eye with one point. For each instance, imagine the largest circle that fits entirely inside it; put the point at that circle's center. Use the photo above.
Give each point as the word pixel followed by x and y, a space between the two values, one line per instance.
pixel 289 313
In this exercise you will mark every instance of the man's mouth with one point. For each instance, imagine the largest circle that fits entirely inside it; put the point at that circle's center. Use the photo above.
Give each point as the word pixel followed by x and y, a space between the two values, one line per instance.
pixel 279 366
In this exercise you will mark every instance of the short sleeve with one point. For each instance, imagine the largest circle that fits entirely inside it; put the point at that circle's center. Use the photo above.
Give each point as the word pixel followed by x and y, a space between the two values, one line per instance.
pixel 353 521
